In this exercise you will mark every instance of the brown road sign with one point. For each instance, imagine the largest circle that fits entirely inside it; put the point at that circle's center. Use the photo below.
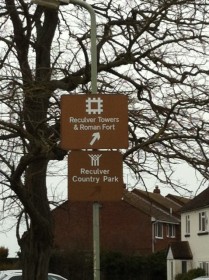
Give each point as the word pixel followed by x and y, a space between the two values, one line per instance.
pixel 94 121
pixel 95 176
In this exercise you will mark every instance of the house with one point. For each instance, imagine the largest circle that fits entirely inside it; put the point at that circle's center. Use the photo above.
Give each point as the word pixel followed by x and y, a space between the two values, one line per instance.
pixel 140 223
pixel 194 246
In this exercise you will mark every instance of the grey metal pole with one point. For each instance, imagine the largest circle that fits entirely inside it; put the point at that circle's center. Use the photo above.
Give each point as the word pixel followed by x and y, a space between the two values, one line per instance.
pixel 93 42
pixel 96 206
pixel 96 240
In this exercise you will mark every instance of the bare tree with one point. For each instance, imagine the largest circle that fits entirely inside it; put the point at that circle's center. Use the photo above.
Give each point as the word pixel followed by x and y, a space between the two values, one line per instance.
pixel 155 52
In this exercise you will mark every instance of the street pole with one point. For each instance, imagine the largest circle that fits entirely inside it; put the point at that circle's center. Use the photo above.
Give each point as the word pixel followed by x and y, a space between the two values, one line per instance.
pixel 96 205
pixel 93 43
pixel 96 241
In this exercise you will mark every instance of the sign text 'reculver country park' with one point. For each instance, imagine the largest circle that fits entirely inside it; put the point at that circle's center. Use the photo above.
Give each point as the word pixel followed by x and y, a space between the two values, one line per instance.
pixel 94 121
pixel 95 175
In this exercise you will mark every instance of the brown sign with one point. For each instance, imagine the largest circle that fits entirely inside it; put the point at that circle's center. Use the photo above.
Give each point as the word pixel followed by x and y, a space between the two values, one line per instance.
pixel 95 176
pixel 94 121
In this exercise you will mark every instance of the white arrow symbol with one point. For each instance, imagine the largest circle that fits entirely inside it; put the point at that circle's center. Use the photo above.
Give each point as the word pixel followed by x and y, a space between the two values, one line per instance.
pixel 95 136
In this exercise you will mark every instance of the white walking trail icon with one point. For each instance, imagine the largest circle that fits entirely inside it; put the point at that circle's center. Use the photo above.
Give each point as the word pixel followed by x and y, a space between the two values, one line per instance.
pixel 95 159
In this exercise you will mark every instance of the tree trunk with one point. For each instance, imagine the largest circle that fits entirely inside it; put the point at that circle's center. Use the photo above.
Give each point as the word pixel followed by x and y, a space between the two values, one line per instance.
pixel 36 243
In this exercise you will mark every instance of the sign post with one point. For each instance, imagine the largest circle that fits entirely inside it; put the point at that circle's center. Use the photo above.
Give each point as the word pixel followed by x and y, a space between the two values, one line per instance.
pixel 95 175
pixel 93 122
pixel 98 121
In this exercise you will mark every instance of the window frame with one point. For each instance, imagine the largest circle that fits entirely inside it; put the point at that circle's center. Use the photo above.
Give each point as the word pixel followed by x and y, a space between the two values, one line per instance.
pixel 202 221
pixel 188 224
pixel 171 230
pixel 158 230
pixel 205 265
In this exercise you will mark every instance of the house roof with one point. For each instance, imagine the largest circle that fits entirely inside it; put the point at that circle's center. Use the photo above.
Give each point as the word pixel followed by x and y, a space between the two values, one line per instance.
pixel 199 201
pixel 180 200
pixel 181 250
pixel 149 208
pixel 146 206
pixel 164 203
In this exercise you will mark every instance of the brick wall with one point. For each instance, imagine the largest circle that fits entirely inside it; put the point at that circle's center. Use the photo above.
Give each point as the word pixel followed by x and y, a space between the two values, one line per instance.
pixel 122 228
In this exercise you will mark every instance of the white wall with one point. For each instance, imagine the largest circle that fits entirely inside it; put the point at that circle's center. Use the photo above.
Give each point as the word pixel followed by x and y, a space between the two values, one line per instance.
pixel 199 244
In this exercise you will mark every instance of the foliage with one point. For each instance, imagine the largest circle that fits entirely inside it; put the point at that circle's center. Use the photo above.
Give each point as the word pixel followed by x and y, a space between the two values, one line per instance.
pixel 10 264
pixel 3 253
pixel 157 265
pixel 114 266
pixel 191 274
pixel 72 265
pixel 5 262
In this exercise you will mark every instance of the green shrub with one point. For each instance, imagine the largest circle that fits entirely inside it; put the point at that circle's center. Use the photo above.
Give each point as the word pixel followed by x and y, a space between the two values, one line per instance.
pixel 71 264
pixel 194 273
pixel 191 274
pixel 157 265
pixel 113 266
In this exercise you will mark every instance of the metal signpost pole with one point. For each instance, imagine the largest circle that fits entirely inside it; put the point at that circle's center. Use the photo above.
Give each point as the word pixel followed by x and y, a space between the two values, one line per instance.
pixel 93 42
pixel 96 241
pixel 96 206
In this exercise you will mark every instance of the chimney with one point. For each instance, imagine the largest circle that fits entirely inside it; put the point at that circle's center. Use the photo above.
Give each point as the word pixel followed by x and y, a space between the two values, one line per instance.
pixel 156 190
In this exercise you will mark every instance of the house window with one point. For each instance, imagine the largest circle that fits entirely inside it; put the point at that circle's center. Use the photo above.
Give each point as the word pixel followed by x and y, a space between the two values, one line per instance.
pixel 159 230
pixel 187 224
pixel 171 230
pixel 202 221
pixel 205 266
